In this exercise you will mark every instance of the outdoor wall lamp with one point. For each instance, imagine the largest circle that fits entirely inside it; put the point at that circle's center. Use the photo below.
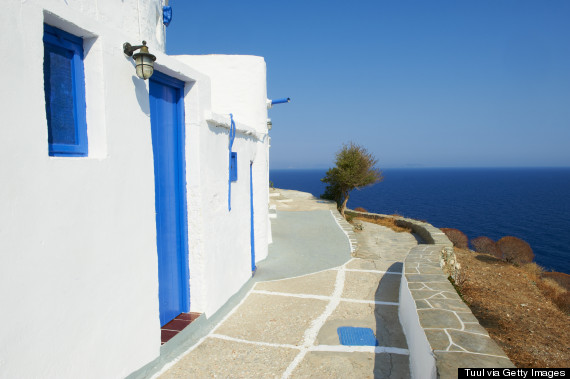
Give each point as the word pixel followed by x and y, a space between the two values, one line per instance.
pixel 144 60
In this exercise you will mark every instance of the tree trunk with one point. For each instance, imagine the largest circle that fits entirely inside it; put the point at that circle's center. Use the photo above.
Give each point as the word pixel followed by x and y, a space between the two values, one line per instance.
pixel 343 206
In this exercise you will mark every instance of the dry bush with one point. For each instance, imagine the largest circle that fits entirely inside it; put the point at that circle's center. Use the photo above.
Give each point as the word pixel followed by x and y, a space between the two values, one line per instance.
pixel 457 237
pixel 515 250
pixel 387 222
pixel 560 277
pixel 555 292
pixel 535 271
pixel 485 245
pixel 550 287
pixel 563 302
pixel 360 209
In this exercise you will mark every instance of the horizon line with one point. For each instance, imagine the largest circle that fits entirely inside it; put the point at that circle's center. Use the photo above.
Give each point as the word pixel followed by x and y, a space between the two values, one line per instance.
pixel 433 167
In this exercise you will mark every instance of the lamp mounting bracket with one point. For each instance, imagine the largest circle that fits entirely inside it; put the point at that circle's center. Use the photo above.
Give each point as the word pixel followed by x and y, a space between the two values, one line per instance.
pixel 129 49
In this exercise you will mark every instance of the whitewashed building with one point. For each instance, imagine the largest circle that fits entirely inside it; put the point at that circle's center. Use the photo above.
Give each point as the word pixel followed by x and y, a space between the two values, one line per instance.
pixel 115 191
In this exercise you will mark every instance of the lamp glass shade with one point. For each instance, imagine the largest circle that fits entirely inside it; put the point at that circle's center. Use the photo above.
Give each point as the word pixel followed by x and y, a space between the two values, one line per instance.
pixel 144 65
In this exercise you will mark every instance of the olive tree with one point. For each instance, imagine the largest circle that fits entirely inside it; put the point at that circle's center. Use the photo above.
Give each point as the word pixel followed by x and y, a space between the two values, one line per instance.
pixel 354 170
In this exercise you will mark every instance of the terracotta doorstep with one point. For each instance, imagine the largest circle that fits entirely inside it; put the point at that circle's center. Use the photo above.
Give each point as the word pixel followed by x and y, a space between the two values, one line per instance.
pixel 177 325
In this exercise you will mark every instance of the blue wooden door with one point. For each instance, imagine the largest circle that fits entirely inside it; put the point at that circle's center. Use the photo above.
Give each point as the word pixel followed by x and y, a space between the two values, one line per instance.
pixel 167 125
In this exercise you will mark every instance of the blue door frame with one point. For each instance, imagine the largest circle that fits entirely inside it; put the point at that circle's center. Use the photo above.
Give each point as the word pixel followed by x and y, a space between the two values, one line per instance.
pixel 252 236
pixel 166 96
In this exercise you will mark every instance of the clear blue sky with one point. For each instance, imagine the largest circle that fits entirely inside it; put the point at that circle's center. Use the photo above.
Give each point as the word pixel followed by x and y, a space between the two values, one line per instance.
pixel 418 83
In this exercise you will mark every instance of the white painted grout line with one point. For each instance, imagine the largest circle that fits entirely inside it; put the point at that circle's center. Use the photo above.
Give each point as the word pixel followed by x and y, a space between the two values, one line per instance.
pixel 300 276
pixel 439 309
pixel 230 313
pixel 460 330
pixel 471 352
pixel 228 338
pixel 373 271
pixel 170 364
pixel 361 349
pixel 335 299
pixel 459 347
pixel 167 366
pixel 460 321
pixel 431 283
pixel 311 333
pixel 321 297
pixel 439 293
pixel 337 220
pixel 298 295
pixel 369 301
pixel 449 339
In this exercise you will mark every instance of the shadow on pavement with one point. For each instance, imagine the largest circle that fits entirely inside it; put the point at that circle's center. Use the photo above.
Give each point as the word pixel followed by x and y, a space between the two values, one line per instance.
pixel 389 332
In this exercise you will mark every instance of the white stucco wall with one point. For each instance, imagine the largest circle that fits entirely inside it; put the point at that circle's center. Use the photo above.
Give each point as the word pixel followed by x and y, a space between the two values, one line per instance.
pixel 139 20
pixel 238 86
pixel 78 260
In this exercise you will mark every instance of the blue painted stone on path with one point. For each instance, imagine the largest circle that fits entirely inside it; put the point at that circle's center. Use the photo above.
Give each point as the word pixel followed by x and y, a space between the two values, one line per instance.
pixel 351 336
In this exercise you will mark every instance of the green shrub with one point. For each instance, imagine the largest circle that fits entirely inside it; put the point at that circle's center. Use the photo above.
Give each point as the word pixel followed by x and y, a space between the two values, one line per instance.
pixel 354 169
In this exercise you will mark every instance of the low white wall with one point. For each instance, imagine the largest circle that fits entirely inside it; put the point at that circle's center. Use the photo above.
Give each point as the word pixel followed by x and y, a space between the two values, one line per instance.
pixel 422 361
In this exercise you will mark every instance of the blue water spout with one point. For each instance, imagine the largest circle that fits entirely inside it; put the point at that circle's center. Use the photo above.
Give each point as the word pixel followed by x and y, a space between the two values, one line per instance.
pixel 280 101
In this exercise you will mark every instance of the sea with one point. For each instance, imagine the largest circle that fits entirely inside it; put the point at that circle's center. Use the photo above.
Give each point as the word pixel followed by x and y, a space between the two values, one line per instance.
pixel 529 203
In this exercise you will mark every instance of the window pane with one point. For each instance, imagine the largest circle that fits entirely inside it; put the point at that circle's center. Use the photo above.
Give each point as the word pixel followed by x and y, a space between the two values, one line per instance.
pixel 58 82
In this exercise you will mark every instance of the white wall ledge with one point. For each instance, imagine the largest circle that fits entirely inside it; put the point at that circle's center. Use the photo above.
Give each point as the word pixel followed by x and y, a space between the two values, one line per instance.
pixel 224 121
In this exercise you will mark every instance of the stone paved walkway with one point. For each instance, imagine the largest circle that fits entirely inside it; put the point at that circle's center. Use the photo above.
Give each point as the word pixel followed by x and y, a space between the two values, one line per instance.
pixel 455 336
pixel 288 328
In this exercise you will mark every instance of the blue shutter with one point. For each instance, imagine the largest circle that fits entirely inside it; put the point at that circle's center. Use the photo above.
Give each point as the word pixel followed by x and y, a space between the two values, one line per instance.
pixel 233 167
pixel 64 87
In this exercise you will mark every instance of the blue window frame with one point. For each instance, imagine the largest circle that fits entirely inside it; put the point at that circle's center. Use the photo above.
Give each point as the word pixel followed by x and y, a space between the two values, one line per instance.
pixel 64 87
